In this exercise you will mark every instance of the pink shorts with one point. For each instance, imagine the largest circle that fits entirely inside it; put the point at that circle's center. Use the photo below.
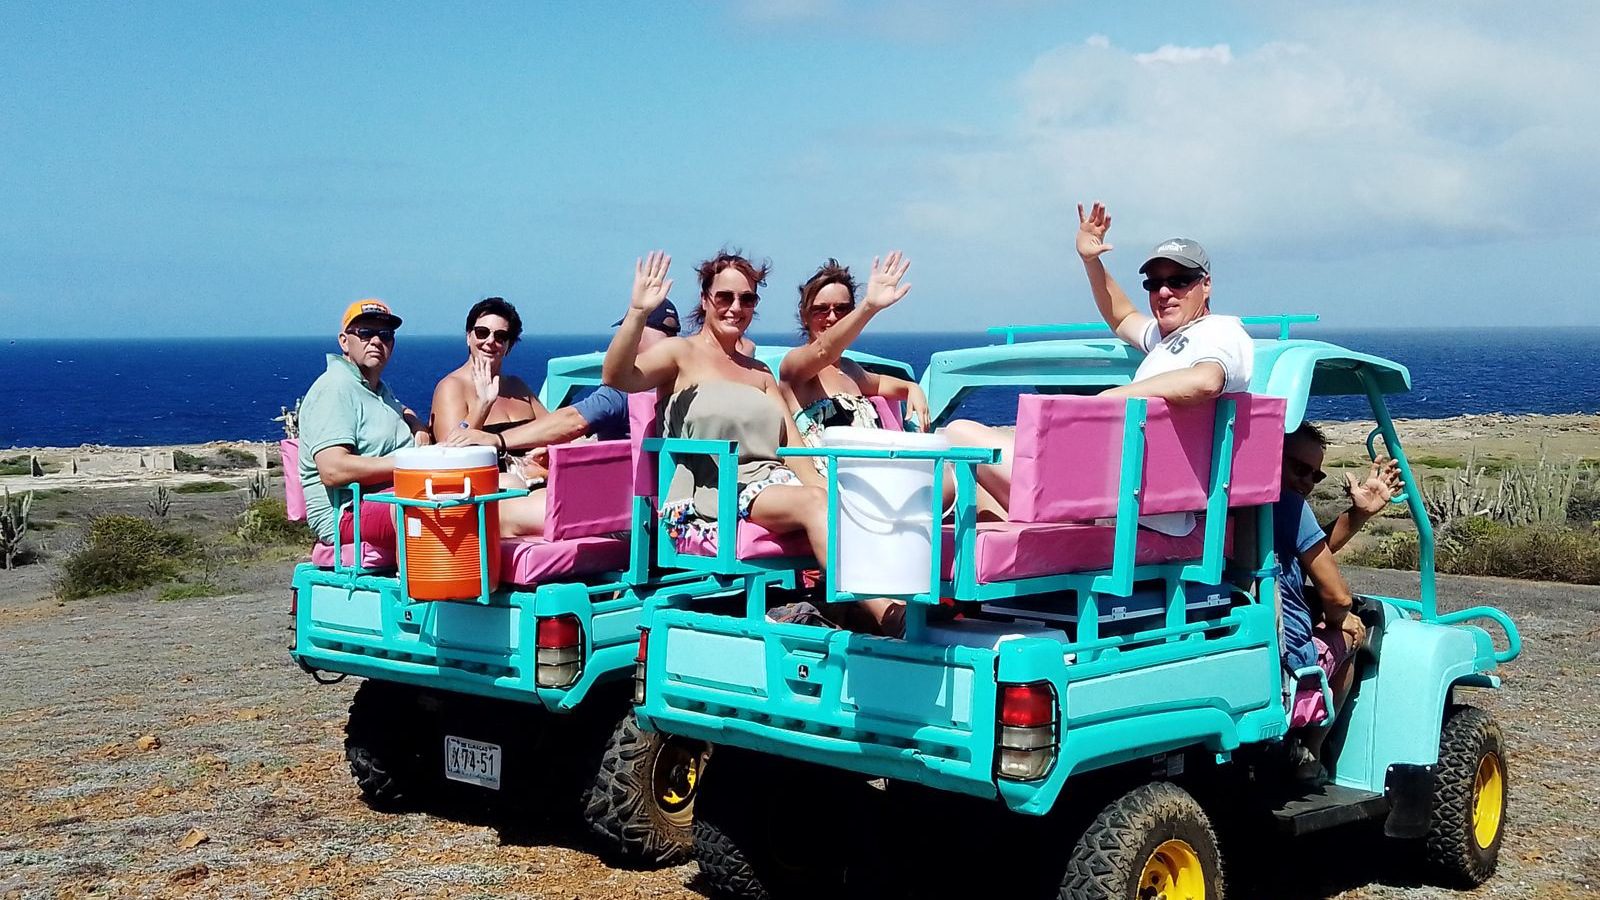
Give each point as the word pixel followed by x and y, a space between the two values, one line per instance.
pixel 377 525
pixel 1332 655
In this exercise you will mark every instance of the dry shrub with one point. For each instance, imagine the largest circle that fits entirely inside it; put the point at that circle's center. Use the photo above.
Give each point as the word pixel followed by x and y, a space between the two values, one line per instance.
pixel 1480 546
pixel 121 553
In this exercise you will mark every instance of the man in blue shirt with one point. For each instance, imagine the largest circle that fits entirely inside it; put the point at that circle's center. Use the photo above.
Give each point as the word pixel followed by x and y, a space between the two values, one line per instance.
pixel 1319 628
pixel 603 413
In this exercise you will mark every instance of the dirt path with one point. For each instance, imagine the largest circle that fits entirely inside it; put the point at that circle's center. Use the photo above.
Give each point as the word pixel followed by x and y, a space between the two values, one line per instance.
pixel 247 750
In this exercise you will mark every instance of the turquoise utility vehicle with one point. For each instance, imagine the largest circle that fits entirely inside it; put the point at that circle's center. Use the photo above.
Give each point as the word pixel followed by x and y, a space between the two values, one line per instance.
pixel 521 692
pixel 1115 681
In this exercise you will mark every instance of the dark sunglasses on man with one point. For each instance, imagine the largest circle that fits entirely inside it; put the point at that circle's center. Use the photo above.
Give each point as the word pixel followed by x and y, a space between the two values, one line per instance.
pixel 1304 470
pixel 365 333
pixel 724 299
pixel 1173 282
pixel 501 335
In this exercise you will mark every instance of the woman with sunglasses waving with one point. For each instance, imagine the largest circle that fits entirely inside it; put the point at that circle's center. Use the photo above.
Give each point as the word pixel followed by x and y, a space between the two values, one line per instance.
pixel 476 402
pixel 1191 354
pixel 713 391
pixel 823 387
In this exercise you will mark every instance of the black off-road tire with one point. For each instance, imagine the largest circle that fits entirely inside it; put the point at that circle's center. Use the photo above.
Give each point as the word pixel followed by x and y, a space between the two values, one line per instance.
pixel 758 823
pixel 1112 852
pixel 1455 856
pixel 382 743
pixel 637 802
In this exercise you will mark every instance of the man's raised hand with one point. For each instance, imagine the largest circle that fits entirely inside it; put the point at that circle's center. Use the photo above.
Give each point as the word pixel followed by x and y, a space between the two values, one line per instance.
pixel 1092 231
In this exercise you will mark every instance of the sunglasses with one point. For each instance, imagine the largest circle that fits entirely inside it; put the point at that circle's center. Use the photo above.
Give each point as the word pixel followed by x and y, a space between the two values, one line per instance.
pixel 822 311
pixel 1303 470
pixel 482 332
pixel 1172 282
pixel 366 334
pixel 724 299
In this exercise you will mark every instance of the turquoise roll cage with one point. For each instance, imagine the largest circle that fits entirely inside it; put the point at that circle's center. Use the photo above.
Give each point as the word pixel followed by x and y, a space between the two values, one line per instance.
pixel 925 711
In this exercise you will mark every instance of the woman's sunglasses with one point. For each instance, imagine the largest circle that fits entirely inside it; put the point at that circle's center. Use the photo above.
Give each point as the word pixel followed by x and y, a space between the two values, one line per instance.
pixel 747 299
pixel 365 334
pixel 841 310
pixel 482 332
pixel 1303 470
pixel 1172 282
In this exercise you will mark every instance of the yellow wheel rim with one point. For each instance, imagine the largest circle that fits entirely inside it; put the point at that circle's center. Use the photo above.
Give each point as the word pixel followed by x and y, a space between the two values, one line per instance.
pixel 676 777
pixel 1173 872
pixel 1488 799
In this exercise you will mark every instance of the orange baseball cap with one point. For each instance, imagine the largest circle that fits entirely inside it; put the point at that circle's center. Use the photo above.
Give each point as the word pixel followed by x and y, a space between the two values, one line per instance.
pixel 370 307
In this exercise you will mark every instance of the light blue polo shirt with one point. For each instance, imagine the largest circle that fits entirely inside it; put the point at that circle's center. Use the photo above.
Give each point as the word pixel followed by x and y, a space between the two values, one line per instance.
pixel 340 409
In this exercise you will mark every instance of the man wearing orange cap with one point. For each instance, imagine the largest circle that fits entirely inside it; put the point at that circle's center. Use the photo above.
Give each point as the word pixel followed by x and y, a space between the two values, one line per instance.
pixel 351 424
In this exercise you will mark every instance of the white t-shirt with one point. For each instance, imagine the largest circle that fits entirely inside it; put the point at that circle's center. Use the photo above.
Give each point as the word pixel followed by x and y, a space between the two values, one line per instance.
pixel 1210 338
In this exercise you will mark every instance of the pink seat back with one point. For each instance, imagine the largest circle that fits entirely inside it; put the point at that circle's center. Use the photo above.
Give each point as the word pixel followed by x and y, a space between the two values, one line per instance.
pixel 643 423
pixel 294 493
pixel 589 489
pixel 889 414
pixel 1068 462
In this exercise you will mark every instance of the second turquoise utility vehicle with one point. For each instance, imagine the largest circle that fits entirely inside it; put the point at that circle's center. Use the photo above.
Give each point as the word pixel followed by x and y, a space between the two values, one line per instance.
pixel 1069 665
pixel 521 692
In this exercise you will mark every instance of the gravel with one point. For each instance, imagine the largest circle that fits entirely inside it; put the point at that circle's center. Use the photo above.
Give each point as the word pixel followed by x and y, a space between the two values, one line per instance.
pixel 248 750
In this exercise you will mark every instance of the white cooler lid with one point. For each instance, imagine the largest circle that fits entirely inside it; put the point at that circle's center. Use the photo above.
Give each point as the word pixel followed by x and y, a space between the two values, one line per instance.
pixel 882 438
pixel 444 459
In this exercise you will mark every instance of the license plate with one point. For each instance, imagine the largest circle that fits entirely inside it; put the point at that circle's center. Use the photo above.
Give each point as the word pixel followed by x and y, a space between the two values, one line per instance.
pixel 472 762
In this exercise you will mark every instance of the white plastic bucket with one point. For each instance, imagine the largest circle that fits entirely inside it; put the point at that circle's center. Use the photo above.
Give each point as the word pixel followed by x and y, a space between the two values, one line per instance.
pixel 886 519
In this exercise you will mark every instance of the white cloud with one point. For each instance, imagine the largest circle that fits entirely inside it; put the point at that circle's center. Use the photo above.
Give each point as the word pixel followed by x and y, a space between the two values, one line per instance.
pixel 1353 129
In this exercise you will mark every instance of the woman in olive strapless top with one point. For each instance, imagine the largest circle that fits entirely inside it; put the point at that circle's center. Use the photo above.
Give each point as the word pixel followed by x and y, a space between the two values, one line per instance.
pixel 478 399
pixel 715 392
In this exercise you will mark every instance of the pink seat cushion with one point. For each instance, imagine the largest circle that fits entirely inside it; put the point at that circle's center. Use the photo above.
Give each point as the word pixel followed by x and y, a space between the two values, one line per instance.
pixel 529 560
pixel 1007 551
pixel 373 556
pixel 755 542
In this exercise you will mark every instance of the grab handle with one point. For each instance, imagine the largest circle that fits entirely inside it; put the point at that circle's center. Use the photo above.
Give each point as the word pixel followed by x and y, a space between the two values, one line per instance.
pixel 1372 453
pixel 466 490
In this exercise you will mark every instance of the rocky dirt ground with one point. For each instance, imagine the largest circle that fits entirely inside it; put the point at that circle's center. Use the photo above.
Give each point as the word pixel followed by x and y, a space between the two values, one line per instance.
pixel 152 749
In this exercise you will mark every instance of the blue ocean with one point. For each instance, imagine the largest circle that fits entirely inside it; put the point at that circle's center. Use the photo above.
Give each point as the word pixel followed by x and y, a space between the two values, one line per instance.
pixel 169 391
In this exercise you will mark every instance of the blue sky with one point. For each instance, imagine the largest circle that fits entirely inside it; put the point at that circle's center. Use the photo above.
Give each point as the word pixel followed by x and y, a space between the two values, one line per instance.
pixel 235 169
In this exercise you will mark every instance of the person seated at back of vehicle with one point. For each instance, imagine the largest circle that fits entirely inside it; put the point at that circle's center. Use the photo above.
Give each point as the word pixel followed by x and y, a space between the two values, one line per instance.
pixel 479 397
pixel 824 388
pixel 603 414
pixel 1303 452
pixel 1319 627
pixel 1191 355
pixel 350 426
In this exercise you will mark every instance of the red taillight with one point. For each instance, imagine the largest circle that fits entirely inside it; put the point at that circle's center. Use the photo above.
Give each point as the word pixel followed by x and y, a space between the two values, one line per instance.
pixel 559 631
pixel 559 654
pixel 1027 705
pixel 639 666
pixel 294 601
pixel 1026 737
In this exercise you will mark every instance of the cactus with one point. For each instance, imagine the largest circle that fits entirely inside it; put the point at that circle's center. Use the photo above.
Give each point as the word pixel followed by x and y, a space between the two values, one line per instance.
pixel 1524 495
pixel 160 502
pixel 13 524
pixel 260 485
pixel 290 419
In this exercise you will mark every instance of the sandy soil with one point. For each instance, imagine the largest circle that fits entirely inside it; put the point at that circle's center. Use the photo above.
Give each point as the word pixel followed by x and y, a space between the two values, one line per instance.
pixel 171 749
pixel 135 729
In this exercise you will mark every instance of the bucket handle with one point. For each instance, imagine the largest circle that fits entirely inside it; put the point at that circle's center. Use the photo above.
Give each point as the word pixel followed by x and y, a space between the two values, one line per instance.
pixel 863 515
pixel 466 490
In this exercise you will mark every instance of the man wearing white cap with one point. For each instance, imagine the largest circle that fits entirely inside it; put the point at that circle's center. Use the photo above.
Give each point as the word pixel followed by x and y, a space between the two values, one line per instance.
pixel 1192 355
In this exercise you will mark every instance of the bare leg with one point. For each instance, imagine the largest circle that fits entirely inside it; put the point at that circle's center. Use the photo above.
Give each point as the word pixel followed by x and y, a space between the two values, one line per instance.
pixel 994 480
pixel 1341 683
pixel 523 515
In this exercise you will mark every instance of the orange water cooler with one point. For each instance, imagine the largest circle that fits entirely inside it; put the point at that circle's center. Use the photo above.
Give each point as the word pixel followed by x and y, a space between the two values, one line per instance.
pixel 442 560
